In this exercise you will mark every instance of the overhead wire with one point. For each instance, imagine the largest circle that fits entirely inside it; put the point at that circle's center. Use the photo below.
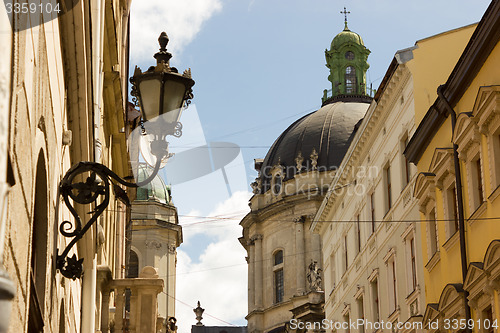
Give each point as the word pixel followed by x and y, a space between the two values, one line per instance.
pixel 204 313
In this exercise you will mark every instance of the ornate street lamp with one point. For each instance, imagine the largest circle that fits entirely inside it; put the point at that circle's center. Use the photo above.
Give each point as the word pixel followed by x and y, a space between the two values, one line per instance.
pixel 161 93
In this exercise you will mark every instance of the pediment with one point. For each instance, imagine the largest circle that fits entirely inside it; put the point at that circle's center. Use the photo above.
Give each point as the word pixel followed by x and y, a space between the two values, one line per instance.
pixel 474 272
pixel 424 184
pixel 442 163
pixel 431 312
pixel 484 98
pixel 450 296
pixel 466 134
pixel 463 125
pixel 492 256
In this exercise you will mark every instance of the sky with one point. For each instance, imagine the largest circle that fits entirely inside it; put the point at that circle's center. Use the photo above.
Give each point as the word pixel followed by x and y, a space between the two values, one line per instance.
pixel 258 66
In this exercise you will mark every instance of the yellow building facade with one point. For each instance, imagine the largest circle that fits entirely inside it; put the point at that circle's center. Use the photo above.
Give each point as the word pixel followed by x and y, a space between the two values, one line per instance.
pixel 456 148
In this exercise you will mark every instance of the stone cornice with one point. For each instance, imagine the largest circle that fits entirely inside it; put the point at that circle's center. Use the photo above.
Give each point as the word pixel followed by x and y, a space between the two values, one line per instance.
pixel 278 207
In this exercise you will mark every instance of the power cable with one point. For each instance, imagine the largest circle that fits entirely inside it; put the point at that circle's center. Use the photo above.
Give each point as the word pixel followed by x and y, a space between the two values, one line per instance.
pixel 204 313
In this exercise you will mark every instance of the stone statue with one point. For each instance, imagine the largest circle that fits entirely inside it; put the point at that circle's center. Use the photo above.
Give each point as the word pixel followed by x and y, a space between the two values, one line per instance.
pixel 171 327
pixel 314 276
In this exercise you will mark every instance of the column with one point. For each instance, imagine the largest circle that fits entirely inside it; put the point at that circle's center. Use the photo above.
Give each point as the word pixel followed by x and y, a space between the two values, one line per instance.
pixel 105 311
pixel 134 308
pixel 300 256
pixel 119 311
pixel 251 274
pixel 89 287
pixel 316 248
pixel 258 262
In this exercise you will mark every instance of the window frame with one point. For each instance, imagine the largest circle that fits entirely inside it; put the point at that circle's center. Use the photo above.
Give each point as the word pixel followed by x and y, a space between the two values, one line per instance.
pixel 278 272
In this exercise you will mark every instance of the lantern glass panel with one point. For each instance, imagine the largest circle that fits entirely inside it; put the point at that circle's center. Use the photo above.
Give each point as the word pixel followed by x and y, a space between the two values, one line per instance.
pixel 173 99
pixel 150 98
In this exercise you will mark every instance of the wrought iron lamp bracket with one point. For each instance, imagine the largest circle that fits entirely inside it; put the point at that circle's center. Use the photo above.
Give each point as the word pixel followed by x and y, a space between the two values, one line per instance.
pixel 95 190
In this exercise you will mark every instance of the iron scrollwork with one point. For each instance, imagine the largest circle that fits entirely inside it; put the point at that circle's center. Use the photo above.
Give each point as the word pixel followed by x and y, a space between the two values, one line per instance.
pixel 95 191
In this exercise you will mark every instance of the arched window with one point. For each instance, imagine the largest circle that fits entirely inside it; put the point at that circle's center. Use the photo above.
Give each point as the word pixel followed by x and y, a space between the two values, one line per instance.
pixel 349 55
pixel 38 269
pixel 279 286
pixel 350 80
pixel 277 183
pixel 133 265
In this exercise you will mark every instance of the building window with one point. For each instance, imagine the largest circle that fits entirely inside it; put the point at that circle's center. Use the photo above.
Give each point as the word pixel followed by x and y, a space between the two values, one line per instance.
pixel 432 233
pixel 277 183
pixel 372 212
pixel 393 286
pixel 133 266
pixel 350 80
pixel 388 188
pixel 358 233
pixel 332 270
pixel 347 319
pixel 487 319
pixel 279 287
pixel 39 245
pixel 476 196
pixel 346 258
pixel 375 304
pixel 349 55
pixel 278 258
pixel 406 164
pixel 361 313
pixel 450 197
pixel 412 263
pixel 479 180
pixel 495 156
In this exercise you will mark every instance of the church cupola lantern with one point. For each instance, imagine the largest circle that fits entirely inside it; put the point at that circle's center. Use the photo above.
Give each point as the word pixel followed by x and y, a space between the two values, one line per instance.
pixel 347 61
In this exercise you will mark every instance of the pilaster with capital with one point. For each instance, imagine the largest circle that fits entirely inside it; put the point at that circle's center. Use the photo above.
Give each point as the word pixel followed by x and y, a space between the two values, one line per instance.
pixel 251 272
pixel 258 278
pixel 300 255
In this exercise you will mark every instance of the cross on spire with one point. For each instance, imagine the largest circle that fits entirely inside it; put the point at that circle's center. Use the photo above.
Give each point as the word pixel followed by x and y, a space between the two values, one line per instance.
pixel 345 12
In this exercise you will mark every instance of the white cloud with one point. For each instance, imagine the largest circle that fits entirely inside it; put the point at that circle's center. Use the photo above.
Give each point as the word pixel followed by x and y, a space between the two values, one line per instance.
pixel 181 20
pixel 218 278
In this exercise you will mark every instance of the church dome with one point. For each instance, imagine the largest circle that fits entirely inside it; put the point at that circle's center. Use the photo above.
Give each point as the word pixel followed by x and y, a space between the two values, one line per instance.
pixel 156 190
pixel 327 131
pixel 346 37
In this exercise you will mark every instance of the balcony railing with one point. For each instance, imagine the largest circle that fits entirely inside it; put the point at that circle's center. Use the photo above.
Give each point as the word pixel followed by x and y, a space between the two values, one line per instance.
pixel 136 303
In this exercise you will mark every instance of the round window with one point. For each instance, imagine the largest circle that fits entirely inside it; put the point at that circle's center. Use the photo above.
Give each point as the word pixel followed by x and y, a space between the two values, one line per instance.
pixel 349 55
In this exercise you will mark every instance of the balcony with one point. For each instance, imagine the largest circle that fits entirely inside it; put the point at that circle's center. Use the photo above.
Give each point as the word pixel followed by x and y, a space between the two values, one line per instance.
pixel 135 303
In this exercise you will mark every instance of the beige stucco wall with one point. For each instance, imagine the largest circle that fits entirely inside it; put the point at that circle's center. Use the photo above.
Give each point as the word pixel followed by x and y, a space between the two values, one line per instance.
pixel 156 235
pixel 281 222
pixel 377 144
pixel 37 121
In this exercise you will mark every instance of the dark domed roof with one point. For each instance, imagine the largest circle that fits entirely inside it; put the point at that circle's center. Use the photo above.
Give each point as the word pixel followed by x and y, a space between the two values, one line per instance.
pixel 156 190
pixel 328 131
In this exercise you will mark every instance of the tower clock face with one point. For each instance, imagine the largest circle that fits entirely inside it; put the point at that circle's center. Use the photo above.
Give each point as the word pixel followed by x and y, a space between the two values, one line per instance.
pixel 349 55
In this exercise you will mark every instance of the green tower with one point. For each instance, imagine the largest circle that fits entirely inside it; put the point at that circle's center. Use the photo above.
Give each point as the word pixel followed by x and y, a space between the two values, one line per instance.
pixel 347 61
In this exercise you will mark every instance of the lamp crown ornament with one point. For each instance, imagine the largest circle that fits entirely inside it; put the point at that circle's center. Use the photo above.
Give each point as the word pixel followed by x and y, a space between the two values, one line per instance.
pixel 163 55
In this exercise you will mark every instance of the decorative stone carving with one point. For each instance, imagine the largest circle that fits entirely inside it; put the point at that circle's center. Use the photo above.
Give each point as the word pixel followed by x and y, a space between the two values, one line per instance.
pixel 171 248
pixel 152 244
pixel 299 160
pixel 314 276
pixel 314 159
pixel 199 312
pixel 255 186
